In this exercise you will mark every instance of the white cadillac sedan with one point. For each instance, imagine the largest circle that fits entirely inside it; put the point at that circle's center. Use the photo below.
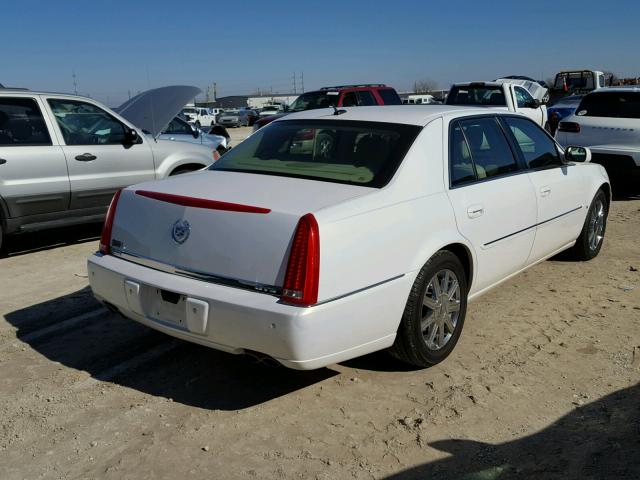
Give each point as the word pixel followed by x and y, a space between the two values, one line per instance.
pixel 331 233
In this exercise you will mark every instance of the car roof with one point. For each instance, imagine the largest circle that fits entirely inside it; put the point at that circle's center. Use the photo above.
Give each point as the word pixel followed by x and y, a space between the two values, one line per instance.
pixel 404 114
pixel 630 88
pixel 478 84
pixel 24 91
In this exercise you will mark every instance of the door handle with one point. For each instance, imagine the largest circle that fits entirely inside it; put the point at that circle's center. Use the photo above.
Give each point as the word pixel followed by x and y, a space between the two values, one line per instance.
pixel 2 161
pixel 544 191
pixel 475 211
pixel 85 157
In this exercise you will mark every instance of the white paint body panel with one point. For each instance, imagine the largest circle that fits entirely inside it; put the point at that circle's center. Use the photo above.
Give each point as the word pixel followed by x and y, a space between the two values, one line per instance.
pixel 372 244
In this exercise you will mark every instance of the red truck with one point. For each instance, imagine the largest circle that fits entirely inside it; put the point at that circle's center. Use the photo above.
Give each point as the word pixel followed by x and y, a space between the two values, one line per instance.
pixel 339 96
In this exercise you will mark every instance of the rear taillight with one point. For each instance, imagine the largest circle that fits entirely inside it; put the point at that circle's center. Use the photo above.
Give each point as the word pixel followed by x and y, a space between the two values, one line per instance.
pixel 105 238
pixel 303 270
pixel 216 155
pixel 569 127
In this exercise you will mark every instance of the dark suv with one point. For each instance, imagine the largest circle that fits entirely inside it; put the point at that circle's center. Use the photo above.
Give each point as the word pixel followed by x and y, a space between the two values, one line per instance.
pixel 340 96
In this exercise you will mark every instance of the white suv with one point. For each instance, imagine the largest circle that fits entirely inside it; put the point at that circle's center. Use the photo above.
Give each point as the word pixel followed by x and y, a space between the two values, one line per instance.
pixel 607 121
pixel 62 157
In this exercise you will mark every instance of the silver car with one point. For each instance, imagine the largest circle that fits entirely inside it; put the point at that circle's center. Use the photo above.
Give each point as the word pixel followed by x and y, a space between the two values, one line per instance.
pixel 181 131
pixel 62 157
pixel 235 118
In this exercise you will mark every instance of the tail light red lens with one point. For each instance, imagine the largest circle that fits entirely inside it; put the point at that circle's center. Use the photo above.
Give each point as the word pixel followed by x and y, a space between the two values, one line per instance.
pixel 105 238
pixel 569 127
pixel 303 270
pixel 216 155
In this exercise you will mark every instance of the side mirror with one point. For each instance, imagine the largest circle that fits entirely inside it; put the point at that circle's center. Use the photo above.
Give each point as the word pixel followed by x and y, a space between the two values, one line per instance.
pixel 577 154
pixel 131 136
pixel 533 103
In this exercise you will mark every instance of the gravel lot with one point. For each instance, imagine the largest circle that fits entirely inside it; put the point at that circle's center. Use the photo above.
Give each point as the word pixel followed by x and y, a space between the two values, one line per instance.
pixel 543 384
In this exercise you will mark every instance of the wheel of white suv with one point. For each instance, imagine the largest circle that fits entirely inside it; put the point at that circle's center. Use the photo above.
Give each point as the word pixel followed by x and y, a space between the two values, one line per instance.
pixel 435 312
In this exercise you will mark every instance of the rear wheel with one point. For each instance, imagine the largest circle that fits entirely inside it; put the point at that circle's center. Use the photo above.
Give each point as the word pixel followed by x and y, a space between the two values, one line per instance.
pixel 1 238
pixel 591 237
pixel 435 312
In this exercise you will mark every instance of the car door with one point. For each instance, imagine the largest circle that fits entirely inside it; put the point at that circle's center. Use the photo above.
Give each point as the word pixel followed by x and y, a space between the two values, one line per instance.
pixel 99 159
pixel 33 170
pixel 559 187
pixel 492 197
pixel 524 100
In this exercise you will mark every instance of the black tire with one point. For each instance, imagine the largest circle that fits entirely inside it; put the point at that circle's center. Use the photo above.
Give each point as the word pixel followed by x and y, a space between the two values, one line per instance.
pixel 587 246
pixel 1 238
pixel 198 123
pixel 410 345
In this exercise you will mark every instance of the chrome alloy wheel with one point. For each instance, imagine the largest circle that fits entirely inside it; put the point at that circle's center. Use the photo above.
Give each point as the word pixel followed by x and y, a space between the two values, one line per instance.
pixel 440 309
pixel 596 225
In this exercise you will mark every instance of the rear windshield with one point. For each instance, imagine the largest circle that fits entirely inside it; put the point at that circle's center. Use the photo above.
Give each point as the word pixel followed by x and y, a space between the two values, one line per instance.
pixel 610 104
pixel 313 100
pixel 480 95
pixel 351 152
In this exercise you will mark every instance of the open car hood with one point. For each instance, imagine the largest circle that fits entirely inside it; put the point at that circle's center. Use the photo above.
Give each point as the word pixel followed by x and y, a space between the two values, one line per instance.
pixel 153 109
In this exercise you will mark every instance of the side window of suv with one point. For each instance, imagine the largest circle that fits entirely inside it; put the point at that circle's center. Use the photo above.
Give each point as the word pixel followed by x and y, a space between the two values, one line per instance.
pixel 538 150
pixel 85 124
pixel 21 123
pixel 484 153
pixel 349 99
pixel 366 98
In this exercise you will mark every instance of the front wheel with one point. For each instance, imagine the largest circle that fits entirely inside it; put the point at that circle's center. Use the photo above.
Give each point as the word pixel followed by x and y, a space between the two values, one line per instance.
pixel 434 314
pixel 591 237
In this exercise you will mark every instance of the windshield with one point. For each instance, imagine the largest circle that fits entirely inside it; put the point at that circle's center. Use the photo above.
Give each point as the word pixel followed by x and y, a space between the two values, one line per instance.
pixel 480 95
pixel 358 153
pixel 312 100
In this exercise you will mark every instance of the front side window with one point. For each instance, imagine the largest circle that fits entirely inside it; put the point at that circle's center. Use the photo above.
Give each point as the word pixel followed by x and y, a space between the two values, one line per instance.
pixel 523 98
pixel 21 123
pixel 339 151
pixel 538 150
pixel 86 124
pixel 479 150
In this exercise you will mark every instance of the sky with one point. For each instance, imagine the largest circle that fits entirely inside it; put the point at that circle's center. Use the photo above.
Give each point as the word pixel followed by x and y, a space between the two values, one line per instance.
pixel 118 48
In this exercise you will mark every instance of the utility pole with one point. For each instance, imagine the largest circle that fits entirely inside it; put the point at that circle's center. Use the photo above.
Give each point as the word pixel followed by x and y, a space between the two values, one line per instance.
pixel 215 92
pixel 129 93
pixel 75 82
pixel 294 82
pixel 302 81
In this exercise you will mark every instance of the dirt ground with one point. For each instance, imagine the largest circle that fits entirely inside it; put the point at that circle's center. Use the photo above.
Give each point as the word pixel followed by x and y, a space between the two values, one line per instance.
pixel 545 383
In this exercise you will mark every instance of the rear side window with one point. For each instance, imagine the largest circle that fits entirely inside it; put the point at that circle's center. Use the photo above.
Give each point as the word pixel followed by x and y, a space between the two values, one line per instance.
pixel 476 95
pixel 339 151
pixel 366 98
pixel 479 150
pixel 389 96
pixel 610 104
pixel 538 150
pixel 21 123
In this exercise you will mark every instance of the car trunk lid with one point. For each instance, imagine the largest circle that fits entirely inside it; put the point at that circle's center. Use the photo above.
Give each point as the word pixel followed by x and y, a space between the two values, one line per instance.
pixel 231 226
